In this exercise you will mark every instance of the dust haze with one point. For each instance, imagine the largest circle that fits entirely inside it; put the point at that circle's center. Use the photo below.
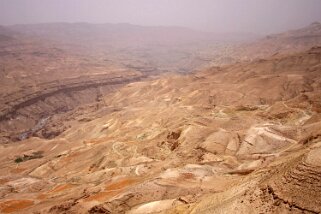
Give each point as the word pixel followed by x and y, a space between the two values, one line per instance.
pixel 168 106
pixel 250 16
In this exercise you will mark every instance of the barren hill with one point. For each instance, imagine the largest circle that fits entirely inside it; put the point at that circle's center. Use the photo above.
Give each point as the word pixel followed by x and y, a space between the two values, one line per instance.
pixel 284 43
pixel 245 135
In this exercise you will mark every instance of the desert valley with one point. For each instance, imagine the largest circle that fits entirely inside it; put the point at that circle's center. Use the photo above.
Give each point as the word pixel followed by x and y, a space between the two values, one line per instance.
pixel 120 118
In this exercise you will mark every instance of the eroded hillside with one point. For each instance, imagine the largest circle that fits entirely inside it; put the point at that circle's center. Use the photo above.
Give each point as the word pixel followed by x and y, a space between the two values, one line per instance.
pixel 246 135
pixel 40 80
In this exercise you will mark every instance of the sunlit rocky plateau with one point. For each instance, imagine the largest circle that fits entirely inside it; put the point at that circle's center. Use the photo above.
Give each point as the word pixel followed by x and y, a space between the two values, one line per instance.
pixel 81 134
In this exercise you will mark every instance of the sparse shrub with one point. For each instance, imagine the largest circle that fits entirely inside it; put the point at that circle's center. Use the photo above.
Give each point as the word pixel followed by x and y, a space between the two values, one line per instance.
pixel 18 160
pixel 34 155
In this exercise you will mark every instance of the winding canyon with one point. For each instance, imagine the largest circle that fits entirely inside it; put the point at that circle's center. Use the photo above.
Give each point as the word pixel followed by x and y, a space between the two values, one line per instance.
pixel 236 131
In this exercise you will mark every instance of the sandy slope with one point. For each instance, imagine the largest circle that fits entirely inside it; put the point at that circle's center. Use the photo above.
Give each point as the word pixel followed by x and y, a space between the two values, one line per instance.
pixel 245 135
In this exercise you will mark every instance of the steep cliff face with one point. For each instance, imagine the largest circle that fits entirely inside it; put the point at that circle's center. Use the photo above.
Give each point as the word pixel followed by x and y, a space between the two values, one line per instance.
pixel 21 112
pixel 40 79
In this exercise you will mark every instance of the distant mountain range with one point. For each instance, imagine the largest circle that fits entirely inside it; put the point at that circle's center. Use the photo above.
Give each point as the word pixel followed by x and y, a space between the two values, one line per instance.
pixel 287 42
pixel 124 33
pixel 160 48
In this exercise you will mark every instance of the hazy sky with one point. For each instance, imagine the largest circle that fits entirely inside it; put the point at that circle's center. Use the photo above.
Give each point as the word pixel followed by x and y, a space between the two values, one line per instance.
pixel 261 16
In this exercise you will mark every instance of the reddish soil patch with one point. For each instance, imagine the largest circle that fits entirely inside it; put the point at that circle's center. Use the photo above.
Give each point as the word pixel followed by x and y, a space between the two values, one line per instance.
pixel 14 205
pixel 187 175
pixel 18 170
pixel 61 188
pixel 3 181
pixel 123 183
pixel 112 190
pixel 42 196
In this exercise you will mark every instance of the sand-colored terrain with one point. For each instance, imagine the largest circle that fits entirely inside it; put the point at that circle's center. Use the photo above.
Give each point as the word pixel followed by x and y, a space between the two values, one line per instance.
pixel 241 138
